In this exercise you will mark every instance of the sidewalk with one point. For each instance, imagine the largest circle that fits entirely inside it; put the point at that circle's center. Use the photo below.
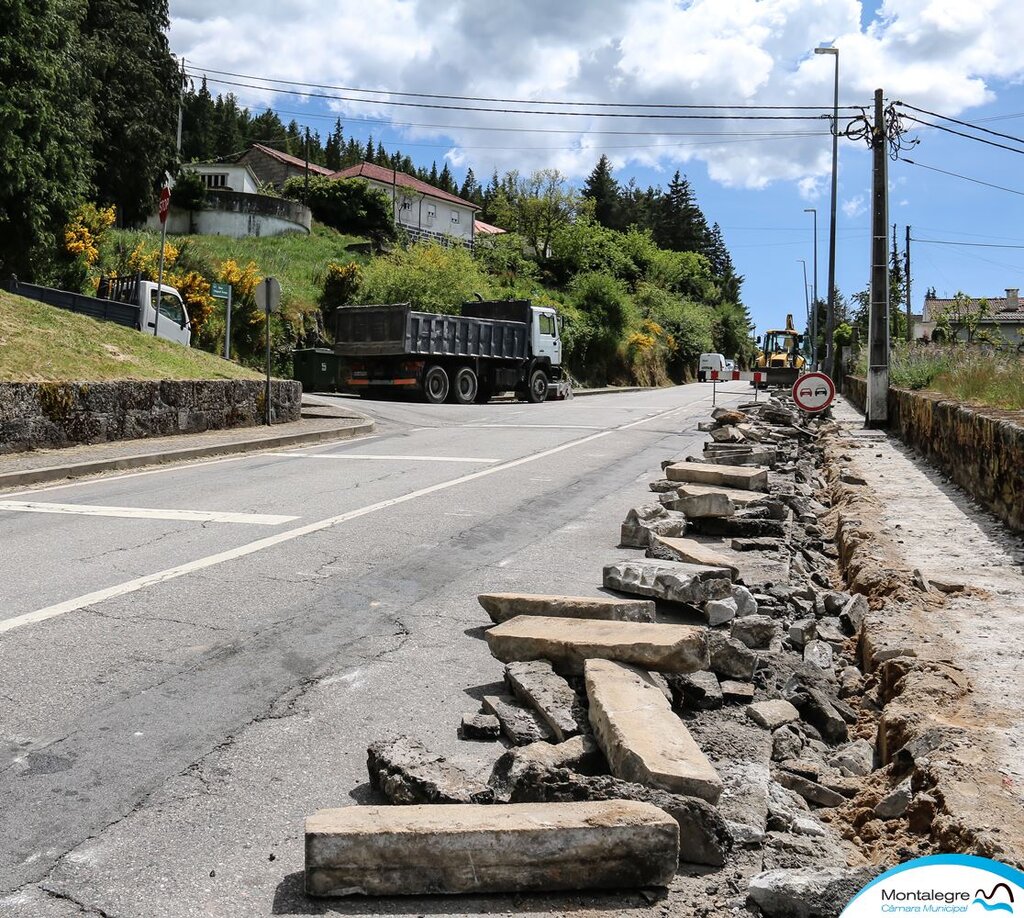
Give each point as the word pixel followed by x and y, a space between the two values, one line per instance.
pixel 319 423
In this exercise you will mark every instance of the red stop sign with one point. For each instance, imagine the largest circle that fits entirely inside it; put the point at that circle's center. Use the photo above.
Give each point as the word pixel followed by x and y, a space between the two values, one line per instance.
pixel 165 203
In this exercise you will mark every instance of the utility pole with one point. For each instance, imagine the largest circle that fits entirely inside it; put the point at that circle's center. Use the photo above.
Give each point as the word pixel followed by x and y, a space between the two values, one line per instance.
pixel 307 168
pixel 906 278
pixel 878 316
pixel 807 302
pixel 181 105
pixel 814 310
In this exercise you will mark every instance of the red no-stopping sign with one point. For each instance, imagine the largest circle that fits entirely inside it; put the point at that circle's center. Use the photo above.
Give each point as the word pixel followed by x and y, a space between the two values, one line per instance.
pixel 813 392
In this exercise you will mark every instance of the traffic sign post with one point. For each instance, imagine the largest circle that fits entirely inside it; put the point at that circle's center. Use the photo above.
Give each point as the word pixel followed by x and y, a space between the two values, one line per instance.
pixel 164 209
pixel 223 292
pixel 268 298
pixel 814 392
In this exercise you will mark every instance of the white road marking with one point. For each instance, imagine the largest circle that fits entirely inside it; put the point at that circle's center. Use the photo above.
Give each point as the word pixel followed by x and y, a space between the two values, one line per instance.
pixel 232 554
pixel 532 427
pixel 394 458
pixel 144 513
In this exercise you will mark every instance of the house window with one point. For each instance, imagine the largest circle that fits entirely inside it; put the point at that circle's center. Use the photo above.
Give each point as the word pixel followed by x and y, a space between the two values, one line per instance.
pixel 431 213
pixel 455 216
pixel 406 204
pixel 216 179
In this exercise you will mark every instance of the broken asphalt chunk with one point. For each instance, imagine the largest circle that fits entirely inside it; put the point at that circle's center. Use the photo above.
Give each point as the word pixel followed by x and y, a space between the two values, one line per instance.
pixel 503 606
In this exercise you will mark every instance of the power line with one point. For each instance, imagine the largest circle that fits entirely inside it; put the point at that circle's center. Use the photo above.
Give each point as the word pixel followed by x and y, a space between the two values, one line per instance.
pixel 940 127
pixel 958 121
pixel 973 245
pixel 514 111
pixel 578 104
pixel 964 177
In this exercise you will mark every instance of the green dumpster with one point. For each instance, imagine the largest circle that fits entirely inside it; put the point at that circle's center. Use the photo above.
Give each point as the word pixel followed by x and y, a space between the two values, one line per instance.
pixel 316 368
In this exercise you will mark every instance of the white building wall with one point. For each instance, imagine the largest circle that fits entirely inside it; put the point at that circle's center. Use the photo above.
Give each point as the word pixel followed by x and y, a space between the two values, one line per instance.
pixel 226 176
pixel 423 212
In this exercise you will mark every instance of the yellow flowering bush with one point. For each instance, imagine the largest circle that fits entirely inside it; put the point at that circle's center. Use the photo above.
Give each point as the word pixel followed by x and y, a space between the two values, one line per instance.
pixel 146 261
pixel 195 292
pixel 82 236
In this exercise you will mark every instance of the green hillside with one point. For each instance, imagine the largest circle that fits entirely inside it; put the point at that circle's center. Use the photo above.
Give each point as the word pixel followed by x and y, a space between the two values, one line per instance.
pixel 40 343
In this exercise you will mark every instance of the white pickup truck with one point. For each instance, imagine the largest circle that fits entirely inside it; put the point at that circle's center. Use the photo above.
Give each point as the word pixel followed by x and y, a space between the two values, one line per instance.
pixel 128 301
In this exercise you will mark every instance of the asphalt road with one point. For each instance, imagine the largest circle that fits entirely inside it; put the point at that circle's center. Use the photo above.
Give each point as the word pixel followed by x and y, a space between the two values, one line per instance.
pixel 178 690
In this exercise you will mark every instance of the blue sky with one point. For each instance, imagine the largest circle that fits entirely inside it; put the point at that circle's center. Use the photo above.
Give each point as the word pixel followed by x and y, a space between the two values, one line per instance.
pixel 945 56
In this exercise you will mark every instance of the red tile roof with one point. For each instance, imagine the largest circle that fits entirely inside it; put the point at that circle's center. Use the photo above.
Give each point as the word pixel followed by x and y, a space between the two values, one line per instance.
pixel 487 229
pixel 391 177
pixel 1000 309
pixel 290 160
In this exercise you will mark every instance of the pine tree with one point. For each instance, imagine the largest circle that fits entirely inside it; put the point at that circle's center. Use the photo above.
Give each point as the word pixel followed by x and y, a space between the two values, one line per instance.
pixel 230 127
pixel 433 174
pixel 680 225
pixel 369 151
pixel 470 189
pixel 445 181
pixel 603 190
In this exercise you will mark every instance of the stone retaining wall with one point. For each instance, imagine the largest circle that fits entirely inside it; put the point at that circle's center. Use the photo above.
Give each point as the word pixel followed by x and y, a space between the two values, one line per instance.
pixel 43 415
pixel 981 449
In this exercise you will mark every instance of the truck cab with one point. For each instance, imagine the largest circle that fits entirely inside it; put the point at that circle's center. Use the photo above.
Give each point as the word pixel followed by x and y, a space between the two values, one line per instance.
pixel 173 323
pixel 545 335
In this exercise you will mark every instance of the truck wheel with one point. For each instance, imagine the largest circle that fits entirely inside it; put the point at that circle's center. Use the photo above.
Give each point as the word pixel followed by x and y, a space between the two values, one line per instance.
pixel 464 386
pixel 435 384
pixel 538 390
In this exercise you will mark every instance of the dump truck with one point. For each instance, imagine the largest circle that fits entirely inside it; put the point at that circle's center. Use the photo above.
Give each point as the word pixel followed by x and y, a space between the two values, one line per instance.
pixel 490 347
pixel 779 355
pixel 129 301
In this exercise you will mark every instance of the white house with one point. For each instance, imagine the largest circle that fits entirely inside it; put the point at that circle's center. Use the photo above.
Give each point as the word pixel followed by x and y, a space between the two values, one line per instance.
pixel 423 211
pixel 226 176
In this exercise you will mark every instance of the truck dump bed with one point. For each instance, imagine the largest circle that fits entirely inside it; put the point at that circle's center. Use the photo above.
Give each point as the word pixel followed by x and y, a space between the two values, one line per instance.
pixel 125 314
pixel 397 330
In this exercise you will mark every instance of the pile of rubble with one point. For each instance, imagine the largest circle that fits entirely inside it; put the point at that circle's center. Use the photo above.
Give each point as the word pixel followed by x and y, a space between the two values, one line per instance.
pixel 713 718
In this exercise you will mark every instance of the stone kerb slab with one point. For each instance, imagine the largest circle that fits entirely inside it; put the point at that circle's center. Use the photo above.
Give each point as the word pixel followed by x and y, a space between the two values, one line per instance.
pixel 416 850
pixel 503 606
pixel 568 643
pixel 731 476
pixel 640 735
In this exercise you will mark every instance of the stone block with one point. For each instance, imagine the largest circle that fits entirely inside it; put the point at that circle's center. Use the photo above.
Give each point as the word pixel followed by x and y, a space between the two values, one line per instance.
pixel 810 790
pixel 525 847
pixel 690 551
pixel 729 416
pixel 802 632
pixel 719 611
pixel 580 754
pixel 406 772
pixel 818 653
pixel 737 692
pixel 773 713
pixel 521 725
pixel 503 606
pixel 697 691
pixel 479 727
pixel 641 737
pixel 807 892
pixel 755 631
pixel 739 496
pixel 731 659
pixel 568 642
pixel 538 686
pixel 704 837
pixel 668 581
pixel 745 479
pixel 699 505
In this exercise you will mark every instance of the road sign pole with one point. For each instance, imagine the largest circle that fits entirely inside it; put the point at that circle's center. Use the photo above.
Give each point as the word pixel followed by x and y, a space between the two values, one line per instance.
pixel 163 209
pixel 227 326
pixel 266 391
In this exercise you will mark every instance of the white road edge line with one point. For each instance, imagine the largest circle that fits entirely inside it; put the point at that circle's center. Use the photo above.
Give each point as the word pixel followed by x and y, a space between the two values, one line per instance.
pixel 172 573
pixel 144 513
pixel 394 458
pixel 531 427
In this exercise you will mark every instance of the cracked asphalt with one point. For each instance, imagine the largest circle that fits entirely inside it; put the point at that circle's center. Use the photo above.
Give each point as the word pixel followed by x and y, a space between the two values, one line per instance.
pixel 196 689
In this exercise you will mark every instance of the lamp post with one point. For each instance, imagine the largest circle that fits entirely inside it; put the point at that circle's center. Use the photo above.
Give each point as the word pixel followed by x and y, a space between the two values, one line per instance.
pixel 830 314
pixel 814 305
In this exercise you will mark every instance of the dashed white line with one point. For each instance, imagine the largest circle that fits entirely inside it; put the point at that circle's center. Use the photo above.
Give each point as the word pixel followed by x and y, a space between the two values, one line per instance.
pixel 145 513
pixel 385 458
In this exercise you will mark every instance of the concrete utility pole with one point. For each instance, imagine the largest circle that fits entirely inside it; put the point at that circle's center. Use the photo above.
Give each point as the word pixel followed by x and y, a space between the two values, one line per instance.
pixel 906 277
pixel 878 316
pixel 807 299
pixel 814 310
pixel 830 315
pixel 181 104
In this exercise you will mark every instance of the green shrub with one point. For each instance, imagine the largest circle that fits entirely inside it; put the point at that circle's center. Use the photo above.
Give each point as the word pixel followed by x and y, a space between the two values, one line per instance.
pixel 347 205
pixel 431 277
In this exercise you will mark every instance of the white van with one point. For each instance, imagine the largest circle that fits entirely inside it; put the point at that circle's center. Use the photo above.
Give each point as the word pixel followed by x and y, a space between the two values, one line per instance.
pixel 707 363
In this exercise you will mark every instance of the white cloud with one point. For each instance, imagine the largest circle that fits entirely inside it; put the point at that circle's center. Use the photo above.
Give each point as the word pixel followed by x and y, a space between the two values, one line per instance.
pixel 855 206
pixel 943 55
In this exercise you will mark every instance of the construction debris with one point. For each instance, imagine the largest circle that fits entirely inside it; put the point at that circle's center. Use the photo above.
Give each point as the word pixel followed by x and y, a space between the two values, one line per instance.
pixel 503 606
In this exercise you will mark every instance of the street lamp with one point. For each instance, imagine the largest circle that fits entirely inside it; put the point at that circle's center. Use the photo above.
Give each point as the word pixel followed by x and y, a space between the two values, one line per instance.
pixel 830 315
pixel 814 310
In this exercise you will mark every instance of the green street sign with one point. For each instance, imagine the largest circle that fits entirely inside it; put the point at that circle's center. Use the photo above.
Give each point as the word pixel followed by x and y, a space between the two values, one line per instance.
pixel 220 291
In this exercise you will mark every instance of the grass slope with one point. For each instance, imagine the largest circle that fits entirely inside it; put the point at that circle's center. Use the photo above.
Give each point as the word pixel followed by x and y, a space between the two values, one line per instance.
pixel 41 343
pixel 298 261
